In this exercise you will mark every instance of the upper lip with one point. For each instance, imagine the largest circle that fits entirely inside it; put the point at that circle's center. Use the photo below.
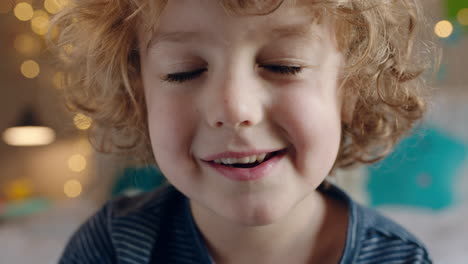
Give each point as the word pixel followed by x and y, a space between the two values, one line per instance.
pixel 232 154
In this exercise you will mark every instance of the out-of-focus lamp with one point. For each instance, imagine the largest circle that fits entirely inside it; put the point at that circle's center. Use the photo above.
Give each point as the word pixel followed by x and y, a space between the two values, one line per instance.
pixel 28 131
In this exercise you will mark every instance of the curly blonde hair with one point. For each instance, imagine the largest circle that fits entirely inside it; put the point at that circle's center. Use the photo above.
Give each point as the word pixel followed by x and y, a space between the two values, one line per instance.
pixel 98 47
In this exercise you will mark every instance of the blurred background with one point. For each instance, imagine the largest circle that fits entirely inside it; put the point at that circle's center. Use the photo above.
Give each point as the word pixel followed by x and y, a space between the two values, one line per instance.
pixel 51 180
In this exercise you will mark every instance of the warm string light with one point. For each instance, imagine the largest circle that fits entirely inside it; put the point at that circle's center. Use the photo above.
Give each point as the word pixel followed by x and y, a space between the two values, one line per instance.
pixel 54 6
pixel 25 43
pixel 72 188
pixel 82 122
pixel 443 29
pixel 40 22
pixel 77 163
pixel 30 69
pixel 23 11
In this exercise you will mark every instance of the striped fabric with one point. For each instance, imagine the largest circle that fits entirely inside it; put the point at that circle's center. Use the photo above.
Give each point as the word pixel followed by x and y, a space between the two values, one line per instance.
pixel 158 228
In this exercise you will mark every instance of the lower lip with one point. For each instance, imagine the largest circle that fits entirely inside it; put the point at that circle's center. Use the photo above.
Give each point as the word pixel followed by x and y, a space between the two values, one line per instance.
pixel 248 174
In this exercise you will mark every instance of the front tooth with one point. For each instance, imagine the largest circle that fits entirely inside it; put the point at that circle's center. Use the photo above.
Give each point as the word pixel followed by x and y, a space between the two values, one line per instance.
pixel 229 160
pixel 252 159
pixel 261 157
pixel 243 160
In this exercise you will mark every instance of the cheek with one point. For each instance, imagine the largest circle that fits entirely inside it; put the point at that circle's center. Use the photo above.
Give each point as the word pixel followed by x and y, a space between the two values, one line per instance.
pixel 171 127
pixel 313 126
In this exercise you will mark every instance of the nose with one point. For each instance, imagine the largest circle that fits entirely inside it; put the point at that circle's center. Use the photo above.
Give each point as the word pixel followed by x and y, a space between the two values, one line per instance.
pixel 234 101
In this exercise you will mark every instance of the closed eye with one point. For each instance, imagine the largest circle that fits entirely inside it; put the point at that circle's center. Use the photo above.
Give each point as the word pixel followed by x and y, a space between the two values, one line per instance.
pixel 181 77
pixel 281 69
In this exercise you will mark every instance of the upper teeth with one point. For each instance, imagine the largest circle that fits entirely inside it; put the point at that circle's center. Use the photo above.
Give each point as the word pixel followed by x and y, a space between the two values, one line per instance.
pixel 244 160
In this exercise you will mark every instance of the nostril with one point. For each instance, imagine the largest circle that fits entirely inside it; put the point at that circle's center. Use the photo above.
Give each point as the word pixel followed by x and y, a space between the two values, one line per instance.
pixel 246 123
pixel 219 124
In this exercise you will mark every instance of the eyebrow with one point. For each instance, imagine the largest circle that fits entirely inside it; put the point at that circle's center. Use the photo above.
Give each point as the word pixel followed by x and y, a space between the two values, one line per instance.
pixel 295 30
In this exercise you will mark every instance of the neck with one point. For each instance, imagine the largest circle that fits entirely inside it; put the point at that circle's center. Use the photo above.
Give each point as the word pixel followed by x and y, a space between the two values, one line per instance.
pixel 299 234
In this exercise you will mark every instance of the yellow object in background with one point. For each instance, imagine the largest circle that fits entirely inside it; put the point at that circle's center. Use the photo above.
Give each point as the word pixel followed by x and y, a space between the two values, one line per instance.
pixel 82 122
pixel 18 189
pixel 54 6
pixel 27 44
pixel 443 29
pixel 30 69
pixel 40 22
pixel 462 16
pixel 23 11
pixel 77 163
pixel 72 188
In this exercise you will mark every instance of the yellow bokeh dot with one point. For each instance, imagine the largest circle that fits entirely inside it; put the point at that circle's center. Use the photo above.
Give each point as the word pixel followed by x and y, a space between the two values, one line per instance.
pixel 5 6
pixel 77 163
pixel 82 122
pixel 443 29
pixel 53 6
pixel 23 11
pixel 27 44
pixel 72 188
pixel 40 25
pixel 462 16
pixel 40 13
pixel 58 80
pixel 30 69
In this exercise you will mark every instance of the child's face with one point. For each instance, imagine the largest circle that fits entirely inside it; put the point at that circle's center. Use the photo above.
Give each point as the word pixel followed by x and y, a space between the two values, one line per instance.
pixel 235 99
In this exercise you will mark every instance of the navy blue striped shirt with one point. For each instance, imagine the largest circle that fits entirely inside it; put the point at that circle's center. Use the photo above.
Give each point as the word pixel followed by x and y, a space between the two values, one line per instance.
pixel 158 227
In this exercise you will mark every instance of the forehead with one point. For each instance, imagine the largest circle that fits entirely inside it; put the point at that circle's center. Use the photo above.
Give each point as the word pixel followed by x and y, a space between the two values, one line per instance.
pixel 184 21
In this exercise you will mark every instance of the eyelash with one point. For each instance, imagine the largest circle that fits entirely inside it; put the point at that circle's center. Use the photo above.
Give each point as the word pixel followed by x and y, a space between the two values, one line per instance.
pixel 181 77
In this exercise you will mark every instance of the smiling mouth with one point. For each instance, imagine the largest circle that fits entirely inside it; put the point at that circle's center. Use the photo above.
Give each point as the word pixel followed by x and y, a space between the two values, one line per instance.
pixel 256 163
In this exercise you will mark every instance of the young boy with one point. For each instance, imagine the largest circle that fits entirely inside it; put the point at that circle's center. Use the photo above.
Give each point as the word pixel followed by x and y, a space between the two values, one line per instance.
pixel 247 107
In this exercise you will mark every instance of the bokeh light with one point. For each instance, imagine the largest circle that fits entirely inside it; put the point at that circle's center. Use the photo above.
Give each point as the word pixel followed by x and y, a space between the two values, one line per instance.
pixel 72 188
pixel 5 6
pixel 40 13
pixel 40 22
pixel 443 29
pixel 23 11
pixel 30 69
pixel 462 16
pixel 28 136
pixel 77 163
pixel 27 44
pixel 82 122
pixel 54 6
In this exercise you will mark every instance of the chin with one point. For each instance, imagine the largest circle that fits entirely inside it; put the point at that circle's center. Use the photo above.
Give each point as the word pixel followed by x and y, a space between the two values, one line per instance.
pixel 259 214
